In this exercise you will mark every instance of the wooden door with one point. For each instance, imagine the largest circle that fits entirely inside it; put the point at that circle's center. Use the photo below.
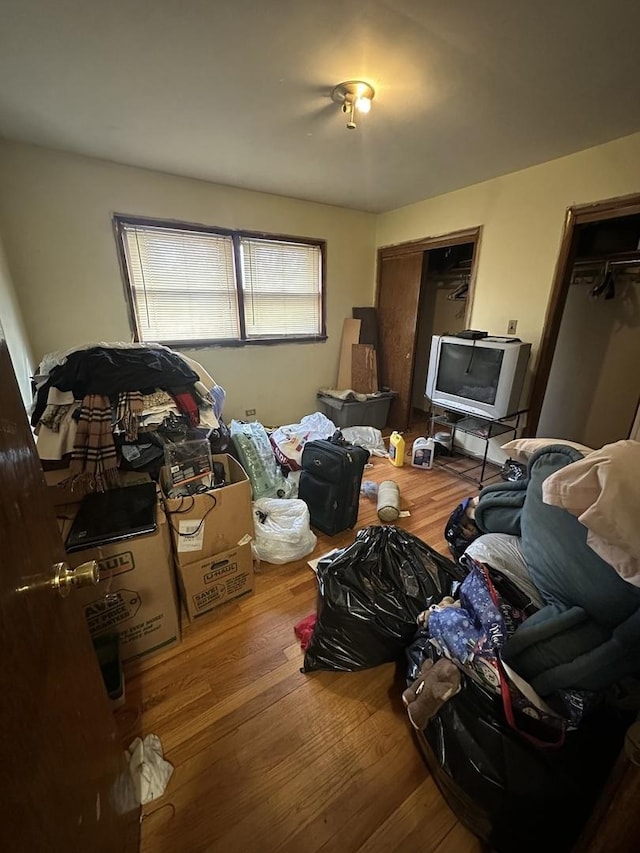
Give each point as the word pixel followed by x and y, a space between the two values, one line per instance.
pixel 635 429
pixel 63 777
pixel 399 279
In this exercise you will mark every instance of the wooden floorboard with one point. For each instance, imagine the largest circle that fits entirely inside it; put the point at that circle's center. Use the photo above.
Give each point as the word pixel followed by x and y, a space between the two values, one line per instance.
pixel 272 760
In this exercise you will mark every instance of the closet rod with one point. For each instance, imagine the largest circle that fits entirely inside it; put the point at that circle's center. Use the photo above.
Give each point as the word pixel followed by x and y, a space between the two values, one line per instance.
pixel 632 262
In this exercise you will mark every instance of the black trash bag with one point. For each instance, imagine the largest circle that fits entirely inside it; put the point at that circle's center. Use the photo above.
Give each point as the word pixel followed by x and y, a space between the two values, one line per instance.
pixel 370 596
pixel 219 439
pixel 511 794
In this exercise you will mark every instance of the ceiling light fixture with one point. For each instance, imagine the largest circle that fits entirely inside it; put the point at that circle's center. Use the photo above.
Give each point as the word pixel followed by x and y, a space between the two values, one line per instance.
pixel 355 96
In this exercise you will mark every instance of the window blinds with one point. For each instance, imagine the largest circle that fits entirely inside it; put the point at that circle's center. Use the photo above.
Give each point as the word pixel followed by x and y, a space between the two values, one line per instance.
pixel 182 284
pixel 185 286
pixel 282 286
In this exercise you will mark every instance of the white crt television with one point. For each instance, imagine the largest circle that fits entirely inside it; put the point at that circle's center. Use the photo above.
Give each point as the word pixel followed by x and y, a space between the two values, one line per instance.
pixel 479 377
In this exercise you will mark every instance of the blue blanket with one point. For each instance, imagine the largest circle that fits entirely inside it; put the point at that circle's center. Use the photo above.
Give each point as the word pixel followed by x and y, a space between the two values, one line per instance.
pixel 500 507
pixel 588 634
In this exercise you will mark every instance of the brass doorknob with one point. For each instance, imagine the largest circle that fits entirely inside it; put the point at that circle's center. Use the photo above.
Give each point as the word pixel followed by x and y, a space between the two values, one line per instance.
pixel 65 578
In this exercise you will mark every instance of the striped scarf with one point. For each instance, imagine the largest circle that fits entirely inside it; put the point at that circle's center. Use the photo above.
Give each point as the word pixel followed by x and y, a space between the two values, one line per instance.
pixel 130 407
pixel 94 453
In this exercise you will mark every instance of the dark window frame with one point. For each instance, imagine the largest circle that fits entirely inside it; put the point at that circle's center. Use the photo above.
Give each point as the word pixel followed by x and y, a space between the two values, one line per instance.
pixel 121 220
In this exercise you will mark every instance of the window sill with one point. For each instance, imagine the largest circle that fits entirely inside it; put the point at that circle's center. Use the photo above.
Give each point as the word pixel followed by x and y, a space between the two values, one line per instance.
pixel 199 344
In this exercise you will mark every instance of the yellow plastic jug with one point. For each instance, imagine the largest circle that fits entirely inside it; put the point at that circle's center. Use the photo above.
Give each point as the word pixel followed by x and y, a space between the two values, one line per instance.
pixel 396 449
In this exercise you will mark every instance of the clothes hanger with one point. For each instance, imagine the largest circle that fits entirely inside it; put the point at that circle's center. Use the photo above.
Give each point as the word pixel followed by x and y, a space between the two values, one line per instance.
pixel 606 285
pixel 461 292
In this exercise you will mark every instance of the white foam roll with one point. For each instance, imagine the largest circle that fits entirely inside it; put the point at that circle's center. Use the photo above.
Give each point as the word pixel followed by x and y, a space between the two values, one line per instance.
pixel 388 501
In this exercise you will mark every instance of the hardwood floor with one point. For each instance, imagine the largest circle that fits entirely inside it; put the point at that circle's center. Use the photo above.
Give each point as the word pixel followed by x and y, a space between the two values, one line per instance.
pixel 270 759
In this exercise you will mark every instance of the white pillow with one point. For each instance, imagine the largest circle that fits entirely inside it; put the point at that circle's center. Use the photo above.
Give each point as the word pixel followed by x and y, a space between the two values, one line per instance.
pixel 521 449
pixel 603 492
pixel 626 565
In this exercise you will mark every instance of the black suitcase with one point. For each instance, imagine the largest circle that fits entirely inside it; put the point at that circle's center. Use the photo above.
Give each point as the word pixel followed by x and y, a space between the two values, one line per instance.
pixel 330 483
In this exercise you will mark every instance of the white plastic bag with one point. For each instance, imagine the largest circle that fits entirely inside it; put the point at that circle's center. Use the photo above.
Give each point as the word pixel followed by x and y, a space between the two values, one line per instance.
pixel 503 552
pixel 282 530
pixel 288 441
pixel 368 437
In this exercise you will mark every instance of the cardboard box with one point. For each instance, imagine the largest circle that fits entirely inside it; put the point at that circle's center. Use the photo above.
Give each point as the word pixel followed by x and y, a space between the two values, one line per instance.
pixel 208 583
pixel 213 522
pixel 139 579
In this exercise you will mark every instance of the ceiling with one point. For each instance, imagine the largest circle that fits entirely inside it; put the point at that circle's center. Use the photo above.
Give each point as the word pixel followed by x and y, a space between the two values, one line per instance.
pixel 240 92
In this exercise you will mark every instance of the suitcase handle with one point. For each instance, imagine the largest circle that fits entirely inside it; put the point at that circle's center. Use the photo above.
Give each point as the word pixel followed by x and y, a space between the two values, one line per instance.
pixel 338 438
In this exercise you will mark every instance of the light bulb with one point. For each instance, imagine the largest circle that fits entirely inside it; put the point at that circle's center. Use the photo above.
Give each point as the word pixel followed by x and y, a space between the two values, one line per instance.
pixel 351 123
pixel 363 105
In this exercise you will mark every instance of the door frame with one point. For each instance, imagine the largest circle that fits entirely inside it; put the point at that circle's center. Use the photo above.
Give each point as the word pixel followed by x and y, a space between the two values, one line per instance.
pixel 577 214
pixel 425 244
pixel 634 433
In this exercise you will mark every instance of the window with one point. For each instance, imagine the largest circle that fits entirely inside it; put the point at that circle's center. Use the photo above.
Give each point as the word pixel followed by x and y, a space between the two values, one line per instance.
pixel 190 284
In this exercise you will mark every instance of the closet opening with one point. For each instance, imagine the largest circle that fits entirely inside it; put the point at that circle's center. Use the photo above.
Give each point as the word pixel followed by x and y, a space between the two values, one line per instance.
pixel 586 387
pixel 424 288
pixel 442 309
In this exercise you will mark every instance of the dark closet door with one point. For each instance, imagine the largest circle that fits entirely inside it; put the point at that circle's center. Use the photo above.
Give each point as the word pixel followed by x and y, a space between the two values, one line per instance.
pixel 399 278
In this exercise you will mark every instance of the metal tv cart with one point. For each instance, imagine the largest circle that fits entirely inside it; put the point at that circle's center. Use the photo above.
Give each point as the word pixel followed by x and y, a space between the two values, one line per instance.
pixel 481 427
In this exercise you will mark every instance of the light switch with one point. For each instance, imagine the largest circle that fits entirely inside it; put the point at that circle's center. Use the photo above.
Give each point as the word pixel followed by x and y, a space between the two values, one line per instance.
pixel 511 327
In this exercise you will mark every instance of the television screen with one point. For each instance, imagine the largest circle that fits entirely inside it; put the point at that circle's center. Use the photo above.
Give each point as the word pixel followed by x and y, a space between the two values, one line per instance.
pixel 471 372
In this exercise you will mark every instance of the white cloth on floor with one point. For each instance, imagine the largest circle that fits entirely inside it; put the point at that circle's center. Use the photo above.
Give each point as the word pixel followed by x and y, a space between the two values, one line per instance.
pixel 149 771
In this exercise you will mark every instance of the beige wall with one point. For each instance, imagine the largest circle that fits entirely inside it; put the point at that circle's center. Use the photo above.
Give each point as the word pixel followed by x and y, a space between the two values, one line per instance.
pixel 14 331
pixel 522 215
pixel 55 216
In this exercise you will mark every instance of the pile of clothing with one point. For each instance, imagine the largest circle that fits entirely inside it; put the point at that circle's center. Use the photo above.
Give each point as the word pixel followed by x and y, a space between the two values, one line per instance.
pixel 106 406
pixel 523 682
pixel 586 633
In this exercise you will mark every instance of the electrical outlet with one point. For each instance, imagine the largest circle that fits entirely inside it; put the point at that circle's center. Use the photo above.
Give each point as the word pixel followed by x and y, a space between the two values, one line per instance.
pixel 249 412
pixel 511 327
